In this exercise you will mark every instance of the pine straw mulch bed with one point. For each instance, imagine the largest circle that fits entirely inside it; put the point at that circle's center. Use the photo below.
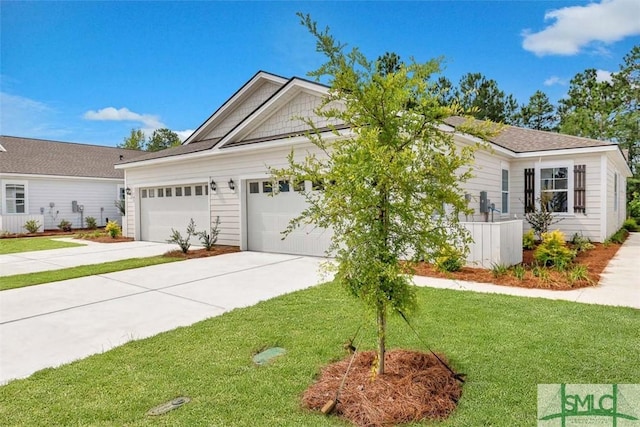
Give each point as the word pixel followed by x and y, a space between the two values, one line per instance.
pixel 414 386
pixel 202 253
pixel 106 239
pixel 595 260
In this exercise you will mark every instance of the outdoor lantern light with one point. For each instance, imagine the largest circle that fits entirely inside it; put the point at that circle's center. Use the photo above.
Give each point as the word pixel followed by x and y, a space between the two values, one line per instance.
pixel 213 185
pixel 232 185
pixel 128 191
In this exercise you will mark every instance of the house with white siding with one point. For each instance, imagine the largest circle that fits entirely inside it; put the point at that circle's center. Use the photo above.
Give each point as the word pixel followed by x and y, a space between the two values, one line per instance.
pixel 49 181
pixel 222 170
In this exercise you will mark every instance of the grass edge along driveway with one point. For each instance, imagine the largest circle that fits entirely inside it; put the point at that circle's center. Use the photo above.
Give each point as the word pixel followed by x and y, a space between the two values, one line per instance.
pixel 30 244
pixel 506 345
pixel 31 279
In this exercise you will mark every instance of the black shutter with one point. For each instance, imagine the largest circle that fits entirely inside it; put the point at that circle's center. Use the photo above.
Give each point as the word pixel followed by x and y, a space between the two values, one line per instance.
pixel 529 190
pixel 579 189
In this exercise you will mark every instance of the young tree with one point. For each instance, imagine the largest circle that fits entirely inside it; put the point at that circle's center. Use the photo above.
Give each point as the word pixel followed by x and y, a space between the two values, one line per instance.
pixel 135 140
pixel 161 139
pixel 539 113
pixel 392 186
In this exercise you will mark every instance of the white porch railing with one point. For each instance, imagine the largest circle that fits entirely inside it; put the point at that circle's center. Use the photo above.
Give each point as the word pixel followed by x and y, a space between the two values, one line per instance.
pixel 15 223
pixel 494 243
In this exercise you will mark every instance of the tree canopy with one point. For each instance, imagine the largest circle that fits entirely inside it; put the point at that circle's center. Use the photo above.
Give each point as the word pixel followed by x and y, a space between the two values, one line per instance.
pixel 392 186
pixel 160 139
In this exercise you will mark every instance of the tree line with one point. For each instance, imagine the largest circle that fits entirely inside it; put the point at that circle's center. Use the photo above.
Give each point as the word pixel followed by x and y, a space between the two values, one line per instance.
pixel 159 140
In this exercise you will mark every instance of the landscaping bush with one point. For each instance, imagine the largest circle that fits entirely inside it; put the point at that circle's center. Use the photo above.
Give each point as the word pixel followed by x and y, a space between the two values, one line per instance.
pixel 529 240
pixel 634 206
pixel 618 237
pixel 519 271
pixel 630 224
pixel 183 242
pixel 499 269
pixel 553 251
pixel 32 226
pixel 210 239
pixel 541 219
pixel 64 225
pixel 92 224
pixel 581 243
pixel 450 260
pixel 113 229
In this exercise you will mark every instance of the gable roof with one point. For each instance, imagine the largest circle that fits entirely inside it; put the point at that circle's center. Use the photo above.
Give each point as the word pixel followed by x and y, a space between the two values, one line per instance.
pixel 42 157
pixel 522 140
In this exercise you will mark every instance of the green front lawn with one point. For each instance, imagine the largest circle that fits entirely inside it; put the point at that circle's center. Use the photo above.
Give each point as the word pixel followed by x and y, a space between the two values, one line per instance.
pixel 506 345
pixel 28 244
pixel 29 279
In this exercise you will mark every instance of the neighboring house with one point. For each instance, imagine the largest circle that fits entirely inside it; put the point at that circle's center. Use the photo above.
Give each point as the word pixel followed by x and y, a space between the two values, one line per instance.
pixel 50 181
pixel 221 170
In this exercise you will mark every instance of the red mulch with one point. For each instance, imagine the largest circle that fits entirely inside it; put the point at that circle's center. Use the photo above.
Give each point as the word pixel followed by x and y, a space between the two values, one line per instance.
pixel 107 239
pixel 595 260
pixel 203 253
pixel 414 386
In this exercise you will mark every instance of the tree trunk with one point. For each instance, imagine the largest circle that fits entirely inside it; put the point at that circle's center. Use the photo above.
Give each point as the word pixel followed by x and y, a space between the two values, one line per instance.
pixel 382 328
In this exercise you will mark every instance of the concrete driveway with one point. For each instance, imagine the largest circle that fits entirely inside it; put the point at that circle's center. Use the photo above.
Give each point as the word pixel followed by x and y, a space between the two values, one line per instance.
pixel 48 325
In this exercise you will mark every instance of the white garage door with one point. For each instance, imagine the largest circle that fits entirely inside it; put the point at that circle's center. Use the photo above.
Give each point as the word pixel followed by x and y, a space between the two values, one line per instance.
pixel 268 216
pixel 164 208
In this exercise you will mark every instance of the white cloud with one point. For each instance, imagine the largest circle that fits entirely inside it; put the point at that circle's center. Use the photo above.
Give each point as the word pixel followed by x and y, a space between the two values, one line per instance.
pixel 29 118
pixel 578 26
pixel 604 76
pixel 124 114
pixel 555 80
pixel 184 134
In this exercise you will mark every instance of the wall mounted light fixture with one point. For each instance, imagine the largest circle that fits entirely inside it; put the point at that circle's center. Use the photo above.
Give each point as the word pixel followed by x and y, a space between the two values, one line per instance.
pixel 128 190
pixel 213 186
pixel 232 185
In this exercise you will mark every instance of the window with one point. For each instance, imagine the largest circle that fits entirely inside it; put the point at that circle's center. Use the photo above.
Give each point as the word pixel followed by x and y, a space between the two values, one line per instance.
pixel 206 189
pixel 615 192
pixel 298 186
pixel 267 186
pixel 15 198
pixel 554 189
pixel 160 192
pixel 152 192
pixel 317 186
pixel 198 190
pixel 284 186
pixel 187 191
pixel 144 193
pixel 505 191
pixel 167 192
pixel 254 187
pixel 121 192
pixel 178 191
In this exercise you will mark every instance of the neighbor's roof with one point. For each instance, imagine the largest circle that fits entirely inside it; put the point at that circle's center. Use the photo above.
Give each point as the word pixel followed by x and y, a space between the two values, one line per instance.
pixel 193 147
pixel 522 140
pixel 42 157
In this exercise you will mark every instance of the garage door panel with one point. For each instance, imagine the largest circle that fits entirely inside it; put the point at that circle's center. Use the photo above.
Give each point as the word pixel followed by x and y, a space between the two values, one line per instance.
pixel 160 214
pixel 269 215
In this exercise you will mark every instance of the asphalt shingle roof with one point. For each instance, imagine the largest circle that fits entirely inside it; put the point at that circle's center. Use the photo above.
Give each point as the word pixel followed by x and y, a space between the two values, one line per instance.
pixel 522 140
pixel 193 147
pixel 42 157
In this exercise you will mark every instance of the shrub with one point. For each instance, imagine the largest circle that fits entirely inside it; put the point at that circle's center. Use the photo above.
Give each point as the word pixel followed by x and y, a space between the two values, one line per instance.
pixel 121 206
pixel 554 251
pixel 634 206
pixel 113 229
pixel 541 219
pixel 32 226
pixel 618 237
pixel 529 240
pixel 64 225
pixel 210 239
pixel 183 242
pixel 519 271
pixel 581 243
pixel 450 260
pixel 541 273
pixel 499 269
pixel 92 224
pixel 630 224
pixel 579 273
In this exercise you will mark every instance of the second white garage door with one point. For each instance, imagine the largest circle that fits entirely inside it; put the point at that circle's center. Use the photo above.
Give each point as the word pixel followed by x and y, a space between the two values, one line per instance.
pixel 268 216
pixel 164 208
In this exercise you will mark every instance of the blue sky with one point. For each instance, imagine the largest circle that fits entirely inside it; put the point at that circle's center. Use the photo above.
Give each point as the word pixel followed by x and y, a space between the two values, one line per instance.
pixel 91 71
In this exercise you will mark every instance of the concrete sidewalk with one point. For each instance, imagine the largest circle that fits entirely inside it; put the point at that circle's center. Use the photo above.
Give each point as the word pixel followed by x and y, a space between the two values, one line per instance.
pixel 89 253
pixel 48 325
pixel 619 283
